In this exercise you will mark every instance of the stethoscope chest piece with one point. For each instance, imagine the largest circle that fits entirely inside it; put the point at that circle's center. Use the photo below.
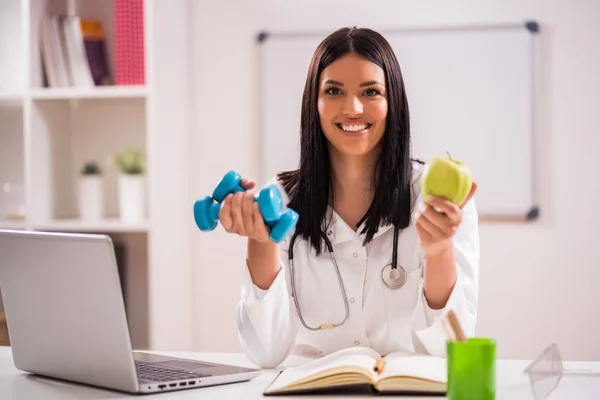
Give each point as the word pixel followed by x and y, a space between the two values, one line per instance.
pixel 393 278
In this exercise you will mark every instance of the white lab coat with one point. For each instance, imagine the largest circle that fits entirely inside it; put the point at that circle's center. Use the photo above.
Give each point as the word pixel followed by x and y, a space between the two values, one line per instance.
pixel 384 319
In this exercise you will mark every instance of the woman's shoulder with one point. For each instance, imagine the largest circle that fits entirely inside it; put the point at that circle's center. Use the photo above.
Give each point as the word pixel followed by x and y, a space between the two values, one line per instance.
pixel 418 166
pixel 417 171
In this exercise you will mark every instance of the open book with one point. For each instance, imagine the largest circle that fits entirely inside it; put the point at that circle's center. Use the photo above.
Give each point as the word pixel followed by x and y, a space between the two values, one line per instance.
pixel 362 369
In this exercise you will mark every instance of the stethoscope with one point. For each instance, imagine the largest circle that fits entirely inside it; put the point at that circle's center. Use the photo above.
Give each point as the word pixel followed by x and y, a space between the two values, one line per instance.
pixel 393 276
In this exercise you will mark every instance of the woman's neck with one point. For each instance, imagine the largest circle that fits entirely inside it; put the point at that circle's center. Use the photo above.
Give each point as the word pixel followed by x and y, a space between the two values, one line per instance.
pixel 353 185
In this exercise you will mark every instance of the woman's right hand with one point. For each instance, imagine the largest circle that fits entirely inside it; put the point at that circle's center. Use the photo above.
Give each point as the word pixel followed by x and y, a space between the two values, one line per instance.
pixel 240 214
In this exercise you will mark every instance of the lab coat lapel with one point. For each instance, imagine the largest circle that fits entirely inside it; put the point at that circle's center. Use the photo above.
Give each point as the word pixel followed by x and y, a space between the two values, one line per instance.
pixel 339 231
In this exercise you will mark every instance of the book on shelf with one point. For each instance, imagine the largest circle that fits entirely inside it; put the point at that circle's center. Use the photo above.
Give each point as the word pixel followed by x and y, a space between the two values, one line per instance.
pixel 73 52
pixel 129 42
pixel 73 48
pixel 363 370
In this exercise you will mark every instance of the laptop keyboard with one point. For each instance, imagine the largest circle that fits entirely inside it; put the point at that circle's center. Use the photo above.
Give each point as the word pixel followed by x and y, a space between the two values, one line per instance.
pixel 153 373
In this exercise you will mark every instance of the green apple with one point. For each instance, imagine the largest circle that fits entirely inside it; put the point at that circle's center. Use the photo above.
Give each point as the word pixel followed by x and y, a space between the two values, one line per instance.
pixel 446 178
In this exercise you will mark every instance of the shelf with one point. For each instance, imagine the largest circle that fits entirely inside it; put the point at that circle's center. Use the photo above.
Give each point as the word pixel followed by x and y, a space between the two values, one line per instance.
pixel 13 224
pixel 106 225
pixel 98 92
pixel 10 98
pixel 48 134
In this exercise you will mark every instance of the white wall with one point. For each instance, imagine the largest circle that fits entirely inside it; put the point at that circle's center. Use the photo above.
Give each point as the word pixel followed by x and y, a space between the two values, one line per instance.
pixel 538 281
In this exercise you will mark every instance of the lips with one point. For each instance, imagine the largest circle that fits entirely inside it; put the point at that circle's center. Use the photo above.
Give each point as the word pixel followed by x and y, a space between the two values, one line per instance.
pixel 354 128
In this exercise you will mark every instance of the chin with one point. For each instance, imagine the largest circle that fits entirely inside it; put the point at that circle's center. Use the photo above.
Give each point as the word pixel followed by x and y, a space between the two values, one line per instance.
pixel 354 146
pixel 356 150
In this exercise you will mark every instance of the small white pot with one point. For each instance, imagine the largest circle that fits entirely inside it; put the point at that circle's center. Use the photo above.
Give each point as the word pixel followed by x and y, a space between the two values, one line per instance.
pixel 132 198
pixel 91 197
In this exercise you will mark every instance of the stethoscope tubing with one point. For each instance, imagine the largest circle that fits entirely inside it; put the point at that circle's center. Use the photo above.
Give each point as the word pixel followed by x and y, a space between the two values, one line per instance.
pixel 394 266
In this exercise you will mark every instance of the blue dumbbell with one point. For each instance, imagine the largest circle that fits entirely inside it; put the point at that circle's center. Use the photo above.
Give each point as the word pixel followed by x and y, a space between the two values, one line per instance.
pixel 270 203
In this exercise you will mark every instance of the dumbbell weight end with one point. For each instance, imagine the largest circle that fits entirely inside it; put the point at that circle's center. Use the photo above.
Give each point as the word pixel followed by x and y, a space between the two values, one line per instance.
pixel 282 228
pixel 270 204
pixel 229 184
pixel 206 213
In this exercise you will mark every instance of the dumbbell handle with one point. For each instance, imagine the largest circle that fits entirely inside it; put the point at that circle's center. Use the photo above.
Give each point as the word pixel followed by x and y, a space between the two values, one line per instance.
pixel 269 201
pixel 206 215
pixel 214 209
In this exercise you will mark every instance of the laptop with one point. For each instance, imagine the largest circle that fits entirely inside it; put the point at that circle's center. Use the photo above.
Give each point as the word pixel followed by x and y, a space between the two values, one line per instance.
pixel 66 318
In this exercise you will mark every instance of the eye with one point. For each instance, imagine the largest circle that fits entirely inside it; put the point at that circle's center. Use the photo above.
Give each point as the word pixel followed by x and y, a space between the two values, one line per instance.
pixel 333 91
pixel 370 92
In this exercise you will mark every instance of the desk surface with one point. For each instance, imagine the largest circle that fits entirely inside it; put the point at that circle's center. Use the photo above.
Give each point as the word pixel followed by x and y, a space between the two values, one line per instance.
pixel 512 383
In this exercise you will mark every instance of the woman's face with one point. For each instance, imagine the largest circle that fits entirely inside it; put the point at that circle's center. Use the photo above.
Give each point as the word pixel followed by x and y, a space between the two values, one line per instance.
pixel 353 105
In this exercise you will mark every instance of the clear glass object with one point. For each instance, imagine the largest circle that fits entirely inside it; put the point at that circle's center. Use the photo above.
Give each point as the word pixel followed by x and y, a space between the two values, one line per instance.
pixel 12 201
pixel 547 371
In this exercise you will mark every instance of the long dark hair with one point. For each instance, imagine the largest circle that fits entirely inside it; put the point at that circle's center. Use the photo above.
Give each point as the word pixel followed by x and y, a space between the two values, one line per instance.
pixel 309 186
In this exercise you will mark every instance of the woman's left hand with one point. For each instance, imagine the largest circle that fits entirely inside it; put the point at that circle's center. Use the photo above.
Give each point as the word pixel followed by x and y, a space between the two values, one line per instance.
pixel 436 228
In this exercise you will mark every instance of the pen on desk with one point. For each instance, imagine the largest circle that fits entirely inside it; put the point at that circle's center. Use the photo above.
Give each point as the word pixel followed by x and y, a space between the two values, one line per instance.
pixel 450 335
pixel 455 325
pixel 379 366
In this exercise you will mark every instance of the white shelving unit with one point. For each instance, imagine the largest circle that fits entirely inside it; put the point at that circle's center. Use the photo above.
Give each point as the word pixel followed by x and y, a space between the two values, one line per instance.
pixel 100 92
pixel 47 134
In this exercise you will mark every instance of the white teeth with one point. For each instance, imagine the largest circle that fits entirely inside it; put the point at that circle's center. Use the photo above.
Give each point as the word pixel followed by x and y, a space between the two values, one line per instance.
pixel 354 128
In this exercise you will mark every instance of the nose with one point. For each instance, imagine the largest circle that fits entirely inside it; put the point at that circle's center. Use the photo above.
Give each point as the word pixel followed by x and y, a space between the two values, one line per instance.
pixel 353 106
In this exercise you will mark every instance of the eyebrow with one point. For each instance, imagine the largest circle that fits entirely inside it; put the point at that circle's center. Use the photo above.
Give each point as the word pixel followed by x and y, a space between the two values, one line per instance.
pixel 332 82
pixel 368 83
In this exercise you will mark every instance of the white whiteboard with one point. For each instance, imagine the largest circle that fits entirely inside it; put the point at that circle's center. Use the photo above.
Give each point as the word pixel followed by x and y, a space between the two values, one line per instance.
pixel 471 92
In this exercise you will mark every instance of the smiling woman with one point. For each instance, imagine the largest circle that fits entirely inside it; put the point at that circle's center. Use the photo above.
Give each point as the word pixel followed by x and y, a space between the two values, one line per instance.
pixel 353 103
pixel 392 267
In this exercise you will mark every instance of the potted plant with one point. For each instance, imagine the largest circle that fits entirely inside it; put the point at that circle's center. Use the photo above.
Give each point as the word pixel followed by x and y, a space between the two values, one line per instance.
pixel 131 164
pixel 91 192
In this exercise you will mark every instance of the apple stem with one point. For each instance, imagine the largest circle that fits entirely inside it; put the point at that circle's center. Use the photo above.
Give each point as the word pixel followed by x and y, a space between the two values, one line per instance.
pixel 449 156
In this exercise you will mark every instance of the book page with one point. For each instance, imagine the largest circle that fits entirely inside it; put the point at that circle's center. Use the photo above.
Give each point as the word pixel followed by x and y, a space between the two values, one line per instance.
pixel 361 357
pixel 415 365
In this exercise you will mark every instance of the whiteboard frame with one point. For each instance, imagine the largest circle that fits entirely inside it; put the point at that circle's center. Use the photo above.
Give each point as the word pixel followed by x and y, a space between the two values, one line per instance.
pixel 536 73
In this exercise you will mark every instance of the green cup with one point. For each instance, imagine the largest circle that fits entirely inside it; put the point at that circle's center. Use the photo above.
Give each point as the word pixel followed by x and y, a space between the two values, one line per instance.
pixel 471 369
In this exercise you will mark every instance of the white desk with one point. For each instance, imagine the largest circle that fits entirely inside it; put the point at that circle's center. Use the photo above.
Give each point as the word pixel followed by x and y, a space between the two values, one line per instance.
pixel 512 383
